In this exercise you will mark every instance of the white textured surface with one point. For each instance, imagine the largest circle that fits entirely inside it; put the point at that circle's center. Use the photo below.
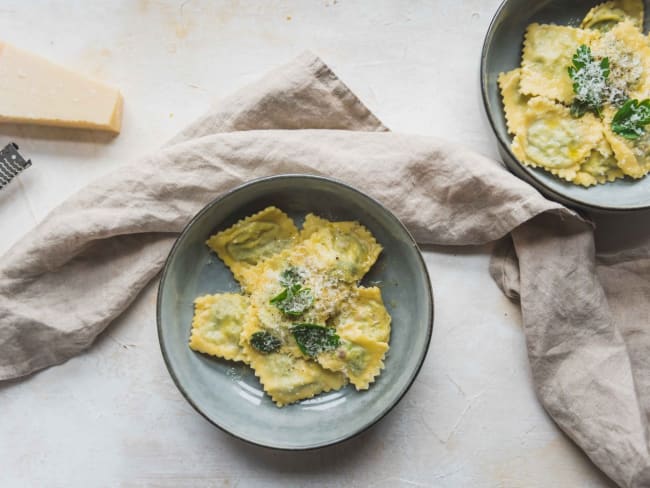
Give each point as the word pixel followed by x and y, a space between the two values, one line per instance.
pixel 112 416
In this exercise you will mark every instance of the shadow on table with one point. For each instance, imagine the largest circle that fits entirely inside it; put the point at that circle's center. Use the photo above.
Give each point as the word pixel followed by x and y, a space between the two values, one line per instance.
pixel 322 461
pixel 622 231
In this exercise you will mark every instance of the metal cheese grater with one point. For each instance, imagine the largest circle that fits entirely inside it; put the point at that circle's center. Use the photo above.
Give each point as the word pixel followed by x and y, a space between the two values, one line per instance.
pixel 11 163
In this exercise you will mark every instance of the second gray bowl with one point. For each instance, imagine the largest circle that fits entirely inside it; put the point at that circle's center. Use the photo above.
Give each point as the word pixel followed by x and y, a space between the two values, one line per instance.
pixel 502 52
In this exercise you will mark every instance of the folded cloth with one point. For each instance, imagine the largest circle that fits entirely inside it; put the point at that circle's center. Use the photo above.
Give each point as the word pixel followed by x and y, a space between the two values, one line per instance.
pixel 91 256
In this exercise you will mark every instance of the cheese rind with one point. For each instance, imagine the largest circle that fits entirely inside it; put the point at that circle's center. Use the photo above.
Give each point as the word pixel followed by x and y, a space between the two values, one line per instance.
pixel 35 91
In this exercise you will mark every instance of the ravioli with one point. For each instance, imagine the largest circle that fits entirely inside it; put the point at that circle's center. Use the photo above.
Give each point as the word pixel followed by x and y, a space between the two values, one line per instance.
pixel 632 155
pixel 554 140
pixel 515 104
pixel 327 289
pixel 605 16
pixel 628 52
pixel 317 273
pixel 217 325
pixel 345 249
pixel 364 314
pixel 548 51
pixel 311 224
pixel 284 377
pixel 253 240
pixel 600 167
pixel 364 327
pixel 302 323
pixel 359 358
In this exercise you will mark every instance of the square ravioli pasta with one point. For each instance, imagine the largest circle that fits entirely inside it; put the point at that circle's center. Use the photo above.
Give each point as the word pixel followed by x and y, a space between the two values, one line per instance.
pixel 286 378
pixel 574 149
pixel 305 286
pixel 217 325
pixel 363 325
pixel 548 51
pixel 515 103
pixel 302 323
pixel 554 140
pixel 252 240
pixel 628 52
pixel 605 16
pixel 633 155
pixel 345 250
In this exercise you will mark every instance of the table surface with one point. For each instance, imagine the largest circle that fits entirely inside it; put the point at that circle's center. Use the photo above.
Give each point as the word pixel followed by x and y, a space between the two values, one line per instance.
pixel 112 416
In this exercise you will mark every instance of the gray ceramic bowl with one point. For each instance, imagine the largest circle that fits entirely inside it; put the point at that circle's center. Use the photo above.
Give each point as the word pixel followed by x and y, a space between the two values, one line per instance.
pixel 228 394
pixel 502 52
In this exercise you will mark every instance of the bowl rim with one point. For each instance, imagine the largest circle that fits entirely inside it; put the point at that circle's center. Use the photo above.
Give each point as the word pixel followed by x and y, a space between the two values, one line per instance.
pixel 504 147
pixel 429 319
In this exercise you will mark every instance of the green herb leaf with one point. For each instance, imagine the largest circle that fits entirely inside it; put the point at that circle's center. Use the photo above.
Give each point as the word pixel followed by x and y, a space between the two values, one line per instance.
pixel 604 67
pixel 589 82
pixel 291 276
pixel 265 342
pixel 313 339
pixel 297 301
pixel 582 57
pixel 631 119
pixel 293 301
pixel 280 296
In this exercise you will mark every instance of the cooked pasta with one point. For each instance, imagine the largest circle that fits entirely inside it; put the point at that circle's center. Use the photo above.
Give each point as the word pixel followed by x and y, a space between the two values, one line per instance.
pixel 302 323
pixel 578 105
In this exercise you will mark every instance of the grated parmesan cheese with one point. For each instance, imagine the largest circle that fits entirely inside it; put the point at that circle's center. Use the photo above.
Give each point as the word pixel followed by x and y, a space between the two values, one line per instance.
pixel 589 84
pixel 625 66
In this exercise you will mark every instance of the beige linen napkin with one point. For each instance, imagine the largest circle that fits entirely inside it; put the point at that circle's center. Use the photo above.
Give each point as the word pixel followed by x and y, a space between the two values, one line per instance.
pixel 81 267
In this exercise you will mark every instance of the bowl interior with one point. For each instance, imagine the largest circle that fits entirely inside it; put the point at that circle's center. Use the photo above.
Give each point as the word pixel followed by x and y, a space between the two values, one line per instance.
pixel 228 393
pixel 502 52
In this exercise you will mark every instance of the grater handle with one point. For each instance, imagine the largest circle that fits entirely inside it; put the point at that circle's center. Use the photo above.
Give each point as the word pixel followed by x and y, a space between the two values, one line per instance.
pixel 11 163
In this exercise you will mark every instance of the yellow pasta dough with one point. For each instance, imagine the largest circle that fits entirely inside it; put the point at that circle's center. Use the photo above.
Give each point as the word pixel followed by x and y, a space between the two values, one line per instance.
pixel 364 327
pixel 252 240
pixel 600 166
pixel 346 249
pixel 548 51
pixel 359 358
pixel 515 104
pixel 326 294
pixel 632 155
pixel 284 377
pixel 303 325
pixel 363 314
pixel 217 325
pixel 554 140
pixel 303 258
pixel 311 259
pixel 311 224
pixel 605 16
pixel 628 52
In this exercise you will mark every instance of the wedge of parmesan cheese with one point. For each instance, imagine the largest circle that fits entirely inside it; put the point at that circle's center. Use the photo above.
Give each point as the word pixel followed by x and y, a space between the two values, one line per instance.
pixel 35 91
